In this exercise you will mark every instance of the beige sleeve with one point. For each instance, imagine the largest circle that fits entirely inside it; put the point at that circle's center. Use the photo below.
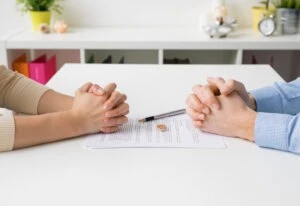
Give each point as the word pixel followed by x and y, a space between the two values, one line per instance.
pixel 7 130
pixel 19 94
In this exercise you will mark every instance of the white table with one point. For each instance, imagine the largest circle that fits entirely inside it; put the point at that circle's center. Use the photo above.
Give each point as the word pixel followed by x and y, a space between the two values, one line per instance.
pixel 65 173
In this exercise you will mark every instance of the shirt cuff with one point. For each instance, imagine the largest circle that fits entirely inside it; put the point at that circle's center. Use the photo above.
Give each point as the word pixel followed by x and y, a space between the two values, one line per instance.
pixel 264 96
pixel 7 130
pixel 271 130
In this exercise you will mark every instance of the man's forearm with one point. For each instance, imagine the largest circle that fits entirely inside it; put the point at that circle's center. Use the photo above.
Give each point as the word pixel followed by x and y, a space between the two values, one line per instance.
pixel 34 130
pixel 53 101
pixel 245 127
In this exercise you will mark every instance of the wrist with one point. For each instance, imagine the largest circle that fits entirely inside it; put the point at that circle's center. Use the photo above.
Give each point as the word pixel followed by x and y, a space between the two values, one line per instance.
pixel 246 128
pixel 75 122
pixel 252 102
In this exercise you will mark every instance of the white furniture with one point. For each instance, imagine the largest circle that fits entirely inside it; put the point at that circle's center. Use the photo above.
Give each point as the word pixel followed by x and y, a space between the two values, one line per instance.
pixel 152 45
pixel 64 173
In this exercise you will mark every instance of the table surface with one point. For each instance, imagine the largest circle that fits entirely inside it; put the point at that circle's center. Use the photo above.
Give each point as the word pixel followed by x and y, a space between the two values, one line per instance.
pixel 65 173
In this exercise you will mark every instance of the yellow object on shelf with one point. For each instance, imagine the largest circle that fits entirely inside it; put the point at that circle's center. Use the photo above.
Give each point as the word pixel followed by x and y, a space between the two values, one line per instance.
pixel 40 17
pixel 258 12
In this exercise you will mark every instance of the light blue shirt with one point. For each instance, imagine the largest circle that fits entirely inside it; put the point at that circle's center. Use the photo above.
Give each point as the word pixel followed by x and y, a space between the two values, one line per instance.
pixel 277 124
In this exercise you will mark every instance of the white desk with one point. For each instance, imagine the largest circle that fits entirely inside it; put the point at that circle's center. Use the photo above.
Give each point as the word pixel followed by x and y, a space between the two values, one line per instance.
pixel 65 173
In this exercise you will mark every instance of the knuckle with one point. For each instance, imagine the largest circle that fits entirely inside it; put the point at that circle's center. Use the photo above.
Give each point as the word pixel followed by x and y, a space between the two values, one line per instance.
pixel 108 130
pixel 189 112
pixel 197 124
pixel 206 87
pixel 194 115
pixel 196 87
pixel 231 82
pixel 193 99
pixel 219 79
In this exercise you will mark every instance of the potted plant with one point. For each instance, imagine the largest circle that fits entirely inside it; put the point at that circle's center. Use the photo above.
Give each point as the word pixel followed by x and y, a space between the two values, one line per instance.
pixel 40 10
pixel 287 16
pixel 264 9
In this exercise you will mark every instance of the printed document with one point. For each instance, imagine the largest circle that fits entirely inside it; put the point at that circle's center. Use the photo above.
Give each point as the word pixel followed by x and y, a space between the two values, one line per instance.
pixel 179 133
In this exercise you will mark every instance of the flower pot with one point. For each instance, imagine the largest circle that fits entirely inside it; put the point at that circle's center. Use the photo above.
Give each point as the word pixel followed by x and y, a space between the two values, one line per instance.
pixel 258 12
pixel 287 21
pixel 39 17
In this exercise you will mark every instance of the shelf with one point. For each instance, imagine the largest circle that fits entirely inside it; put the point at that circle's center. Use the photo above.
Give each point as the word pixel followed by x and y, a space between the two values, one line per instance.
pixel 149 38
pixel 153 45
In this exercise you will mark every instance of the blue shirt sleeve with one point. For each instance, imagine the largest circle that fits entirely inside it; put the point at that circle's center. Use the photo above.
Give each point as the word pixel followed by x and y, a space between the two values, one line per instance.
pixel 277 124
pixel 278 131
pixel 280 98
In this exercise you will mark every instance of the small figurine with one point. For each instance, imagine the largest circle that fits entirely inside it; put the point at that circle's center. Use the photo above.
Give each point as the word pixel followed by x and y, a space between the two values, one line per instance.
pixel 220 28
pixel 220 11
pixel 60 27
pixel 44 28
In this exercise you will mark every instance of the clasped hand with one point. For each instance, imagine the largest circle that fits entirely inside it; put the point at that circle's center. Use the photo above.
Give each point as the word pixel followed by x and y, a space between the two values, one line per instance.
pixel 222 107
pixel 99 109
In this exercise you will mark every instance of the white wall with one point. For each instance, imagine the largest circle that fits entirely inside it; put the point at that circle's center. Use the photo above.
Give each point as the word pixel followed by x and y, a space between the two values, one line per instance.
pixel 129 12
pixel 10 18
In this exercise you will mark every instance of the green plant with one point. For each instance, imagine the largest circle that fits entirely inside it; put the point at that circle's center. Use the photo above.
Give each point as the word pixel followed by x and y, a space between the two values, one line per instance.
pixel 266 3
pixel 288 4
pixel 40 5
pixel 298 4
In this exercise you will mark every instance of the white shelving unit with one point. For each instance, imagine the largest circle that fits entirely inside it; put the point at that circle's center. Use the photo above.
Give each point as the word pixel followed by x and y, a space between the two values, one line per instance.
pixel 152 45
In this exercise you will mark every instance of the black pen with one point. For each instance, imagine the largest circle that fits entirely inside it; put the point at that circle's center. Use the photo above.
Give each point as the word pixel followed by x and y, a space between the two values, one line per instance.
pixel 159 116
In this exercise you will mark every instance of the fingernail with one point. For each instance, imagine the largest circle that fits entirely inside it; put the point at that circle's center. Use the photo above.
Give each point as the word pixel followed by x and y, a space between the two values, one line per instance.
pixel 201 116
pixel 100 91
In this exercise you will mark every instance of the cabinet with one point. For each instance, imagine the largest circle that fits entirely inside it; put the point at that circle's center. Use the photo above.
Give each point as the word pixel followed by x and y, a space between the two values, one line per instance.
pixel 156 46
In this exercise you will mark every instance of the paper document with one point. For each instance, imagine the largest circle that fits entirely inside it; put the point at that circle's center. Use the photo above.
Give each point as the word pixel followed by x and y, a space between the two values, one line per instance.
pixel 180 133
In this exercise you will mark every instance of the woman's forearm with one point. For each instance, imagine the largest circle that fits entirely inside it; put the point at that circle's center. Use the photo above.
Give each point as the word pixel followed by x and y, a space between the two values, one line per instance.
pixel 39 129
pixel 52 101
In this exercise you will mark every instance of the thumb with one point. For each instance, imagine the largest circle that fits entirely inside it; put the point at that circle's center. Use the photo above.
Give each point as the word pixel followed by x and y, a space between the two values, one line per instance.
pixel 85 87
pixel 110 88
pixel 239 88
pixel 96 90
pixel 221 84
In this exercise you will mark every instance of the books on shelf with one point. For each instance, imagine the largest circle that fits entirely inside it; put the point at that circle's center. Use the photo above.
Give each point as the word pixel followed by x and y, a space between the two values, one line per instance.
pixel 21 65
pixel 40 69
pixel 107 60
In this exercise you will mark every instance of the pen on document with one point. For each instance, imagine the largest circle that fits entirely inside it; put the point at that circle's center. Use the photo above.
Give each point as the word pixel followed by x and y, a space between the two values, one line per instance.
pixel 159 116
